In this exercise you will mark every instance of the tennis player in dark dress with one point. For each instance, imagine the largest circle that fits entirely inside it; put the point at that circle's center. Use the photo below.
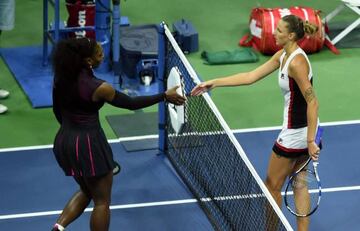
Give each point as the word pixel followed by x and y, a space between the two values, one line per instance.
pixel 80 147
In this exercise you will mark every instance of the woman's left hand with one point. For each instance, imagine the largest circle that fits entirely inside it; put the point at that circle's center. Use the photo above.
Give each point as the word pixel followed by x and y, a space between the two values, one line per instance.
pixel 314 150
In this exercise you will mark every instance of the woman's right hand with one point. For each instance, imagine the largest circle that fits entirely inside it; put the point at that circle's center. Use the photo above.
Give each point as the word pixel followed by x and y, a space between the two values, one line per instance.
pixel 314 150
pixel 173 97
pixel 202 88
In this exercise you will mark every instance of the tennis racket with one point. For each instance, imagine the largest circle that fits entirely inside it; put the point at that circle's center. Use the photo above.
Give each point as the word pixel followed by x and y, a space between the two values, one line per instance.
pixel 303 190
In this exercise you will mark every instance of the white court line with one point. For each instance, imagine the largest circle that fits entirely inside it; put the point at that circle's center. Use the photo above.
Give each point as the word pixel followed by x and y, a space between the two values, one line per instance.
pixel 161 203
pixel 348 122
pixel 133 138
pixel 326 190
pixel 112 207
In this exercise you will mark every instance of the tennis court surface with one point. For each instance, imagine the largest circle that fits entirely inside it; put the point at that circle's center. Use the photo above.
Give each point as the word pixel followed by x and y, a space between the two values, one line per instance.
pixel 204 182
pixel 148 194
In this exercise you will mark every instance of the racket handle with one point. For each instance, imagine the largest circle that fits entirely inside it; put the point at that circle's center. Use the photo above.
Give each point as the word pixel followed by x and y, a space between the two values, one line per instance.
pixel 319 135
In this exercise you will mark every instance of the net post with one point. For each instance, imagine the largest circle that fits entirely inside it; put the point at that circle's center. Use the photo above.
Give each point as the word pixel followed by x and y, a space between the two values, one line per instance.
pixel 161 85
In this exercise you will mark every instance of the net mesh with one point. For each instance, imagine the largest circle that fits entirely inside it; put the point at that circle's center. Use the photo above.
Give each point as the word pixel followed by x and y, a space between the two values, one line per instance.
pixel 208 162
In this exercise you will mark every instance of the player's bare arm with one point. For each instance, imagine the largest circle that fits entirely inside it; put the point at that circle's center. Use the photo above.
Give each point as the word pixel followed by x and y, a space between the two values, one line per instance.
pixel 299 70
pixel 238 79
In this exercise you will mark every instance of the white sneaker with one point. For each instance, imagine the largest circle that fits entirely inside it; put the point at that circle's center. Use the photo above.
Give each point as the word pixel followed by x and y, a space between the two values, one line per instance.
pixel 3 94
pixel 3 109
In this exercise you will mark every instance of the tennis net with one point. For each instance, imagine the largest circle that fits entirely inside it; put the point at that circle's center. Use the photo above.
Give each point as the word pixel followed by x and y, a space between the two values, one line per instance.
pixel 209 159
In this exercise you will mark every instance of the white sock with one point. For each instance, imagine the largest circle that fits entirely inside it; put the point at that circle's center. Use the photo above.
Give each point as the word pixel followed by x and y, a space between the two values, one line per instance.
pixel 59 227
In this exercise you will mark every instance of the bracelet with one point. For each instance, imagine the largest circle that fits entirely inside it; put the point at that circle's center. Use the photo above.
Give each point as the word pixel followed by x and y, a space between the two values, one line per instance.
pixel 310 141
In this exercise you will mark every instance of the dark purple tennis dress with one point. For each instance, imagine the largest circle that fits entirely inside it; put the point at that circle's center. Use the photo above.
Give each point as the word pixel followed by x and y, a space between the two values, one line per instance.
pixel 80 145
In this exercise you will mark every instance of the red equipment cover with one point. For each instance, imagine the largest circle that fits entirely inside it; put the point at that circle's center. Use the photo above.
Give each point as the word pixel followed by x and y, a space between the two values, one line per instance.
pixel 263 22
pixel 81 13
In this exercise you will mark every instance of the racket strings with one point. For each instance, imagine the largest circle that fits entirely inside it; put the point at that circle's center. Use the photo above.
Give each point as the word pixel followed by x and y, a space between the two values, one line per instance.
pixel 302 179
pixel 303 195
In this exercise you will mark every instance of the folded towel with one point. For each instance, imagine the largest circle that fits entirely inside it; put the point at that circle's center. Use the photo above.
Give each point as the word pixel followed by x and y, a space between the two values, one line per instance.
pixel 230 57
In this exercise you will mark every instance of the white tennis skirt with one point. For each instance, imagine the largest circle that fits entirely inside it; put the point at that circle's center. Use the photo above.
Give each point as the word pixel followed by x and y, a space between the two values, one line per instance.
pixel 291 143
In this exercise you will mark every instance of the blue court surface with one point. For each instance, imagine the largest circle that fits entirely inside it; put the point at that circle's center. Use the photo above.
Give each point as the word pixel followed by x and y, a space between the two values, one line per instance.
pixel 148 195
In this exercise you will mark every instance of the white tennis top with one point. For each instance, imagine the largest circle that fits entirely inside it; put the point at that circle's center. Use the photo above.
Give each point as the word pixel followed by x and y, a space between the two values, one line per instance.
pixel 295 105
